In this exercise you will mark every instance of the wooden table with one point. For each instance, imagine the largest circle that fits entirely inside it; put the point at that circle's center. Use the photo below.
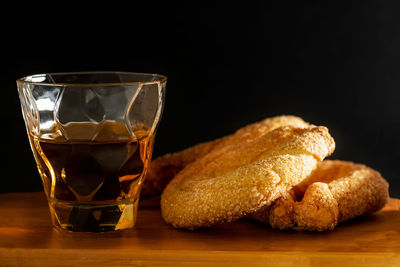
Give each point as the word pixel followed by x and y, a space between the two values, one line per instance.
pixel 28 239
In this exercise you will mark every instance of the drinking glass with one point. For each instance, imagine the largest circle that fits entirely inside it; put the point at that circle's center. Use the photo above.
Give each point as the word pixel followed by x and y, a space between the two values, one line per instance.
pixel 92 136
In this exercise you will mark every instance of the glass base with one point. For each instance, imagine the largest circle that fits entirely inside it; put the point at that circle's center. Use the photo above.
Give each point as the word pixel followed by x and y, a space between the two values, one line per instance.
pixel 93 217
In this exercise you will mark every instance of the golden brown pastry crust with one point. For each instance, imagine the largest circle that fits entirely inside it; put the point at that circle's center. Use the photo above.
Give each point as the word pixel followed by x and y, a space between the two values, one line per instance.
pixel 335 191
pixel 163 169
pixel 240 178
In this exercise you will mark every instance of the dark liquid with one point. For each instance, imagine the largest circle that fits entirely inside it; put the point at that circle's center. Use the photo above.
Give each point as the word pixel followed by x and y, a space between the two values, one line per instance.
pixel 93 185
pixel 92 171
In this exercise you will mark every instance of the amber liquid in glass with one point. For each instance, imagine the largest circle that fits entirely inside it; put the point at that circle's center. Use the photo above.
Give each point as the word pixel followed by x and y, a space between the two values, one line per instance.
pixel 93 185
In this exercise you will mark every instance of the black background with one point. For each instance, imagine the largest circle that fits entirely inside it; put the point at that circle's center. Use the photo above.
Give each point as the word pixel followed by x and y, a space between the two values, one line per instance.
pixel 228 64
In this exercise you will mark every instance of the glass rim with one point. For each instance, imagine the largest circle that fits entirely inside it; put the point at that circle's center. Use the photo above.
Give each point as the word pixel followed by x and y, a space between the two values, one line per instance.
pixel 159 78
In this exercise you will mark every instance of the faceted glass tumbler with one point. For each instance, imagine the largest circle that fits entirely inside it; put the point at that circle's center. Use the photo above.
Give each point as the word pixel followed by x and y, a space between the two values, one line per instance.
pixel 92 137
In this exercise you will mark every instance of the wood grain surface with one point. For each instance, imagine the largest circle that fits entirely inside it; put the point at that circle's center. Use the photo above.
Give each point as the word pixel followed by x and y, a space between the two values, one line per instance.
pixel 27 238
